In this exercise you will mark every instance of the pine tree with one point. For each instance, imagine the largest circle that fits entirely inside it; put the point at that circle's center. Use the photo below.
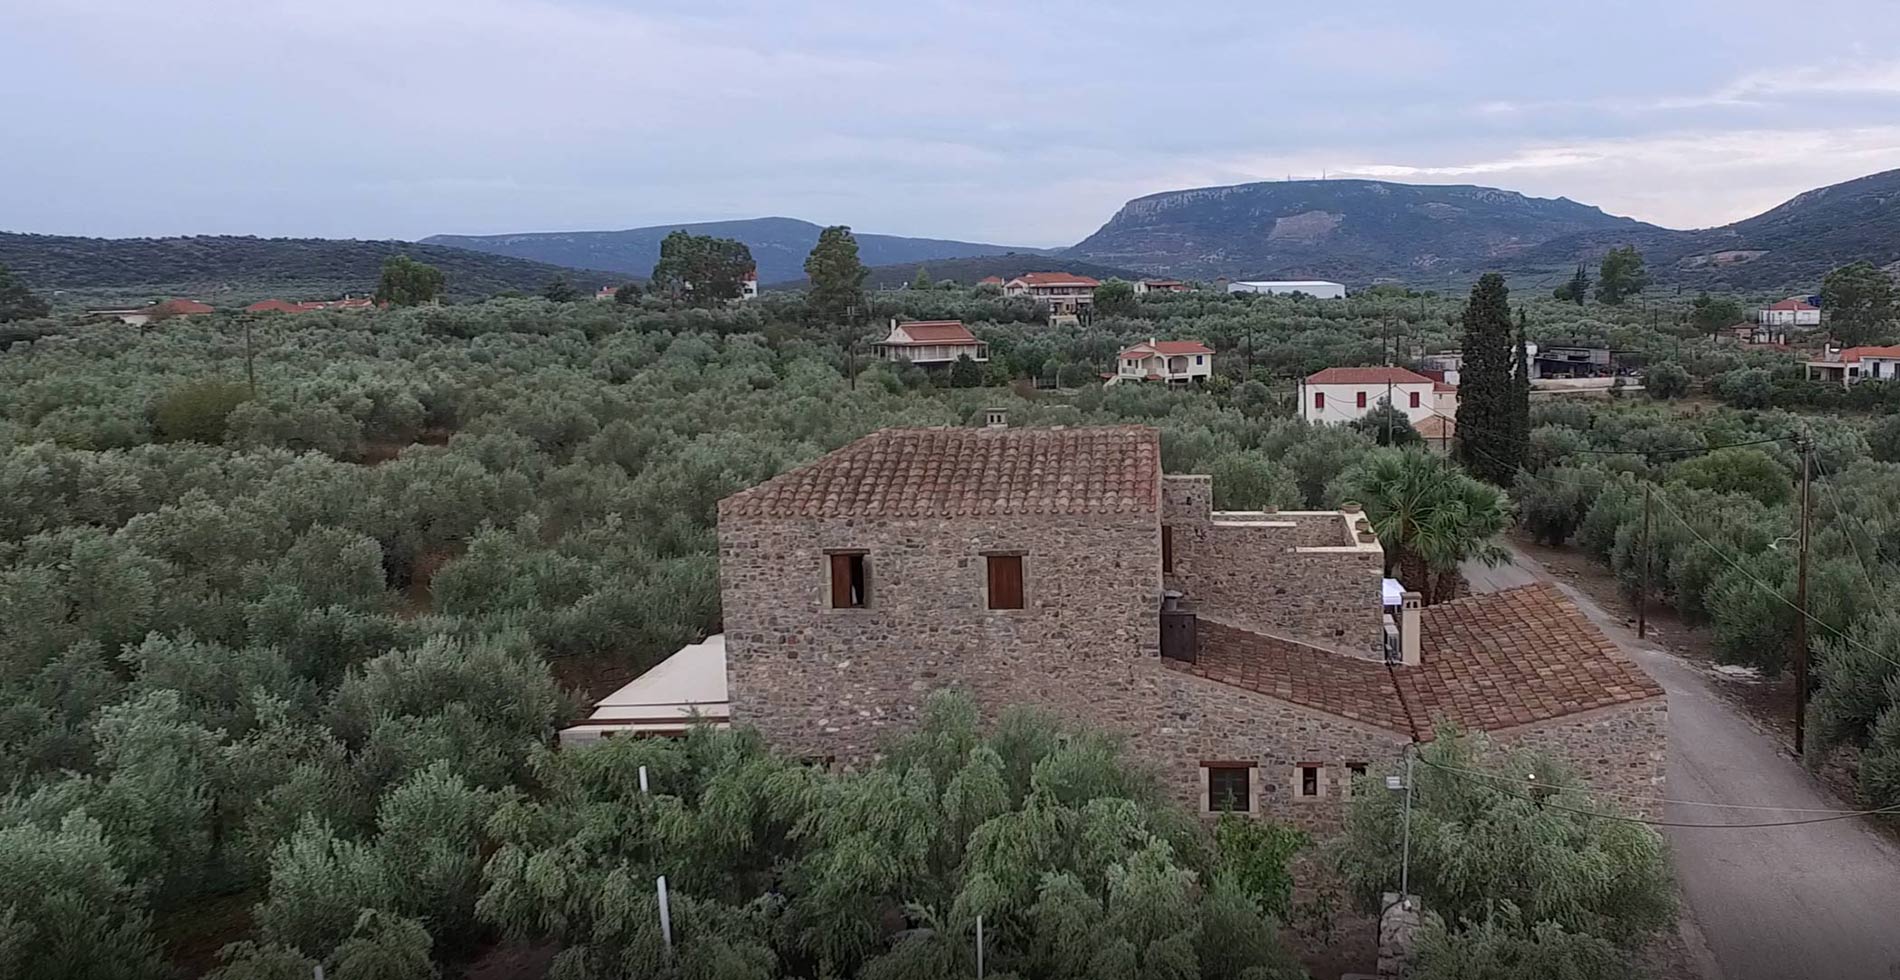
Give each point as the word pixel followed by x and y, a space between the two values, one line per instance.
pixel 1577 290
pixel 836 274
pixel 1486 444
pixel 922 279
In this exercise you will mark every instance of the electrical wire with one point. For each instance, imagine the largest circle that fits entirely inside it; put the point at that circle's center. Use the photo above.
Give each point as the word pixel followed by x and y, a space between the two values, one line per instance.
pixel 1549 804
pixel 1509 781
pixel 1834 496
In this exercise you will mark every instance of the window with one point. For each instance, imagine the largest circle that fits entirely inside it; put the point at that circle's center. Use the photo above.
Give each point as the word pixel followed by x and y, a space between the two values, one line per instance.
pixel 1355 771
pixel 1006 581
pixel 1414 399
pixel 850 580
pixel 1229 787
pixel 1319 399
pixel 1167 548
pixel 1200 359
pixel 1361 399
pixel 1309 782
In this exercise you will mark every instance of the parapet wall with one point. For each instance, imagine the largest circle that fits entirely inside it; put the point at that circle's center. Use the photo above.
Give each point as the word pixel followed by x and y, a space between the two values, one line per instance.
pixel 1298 574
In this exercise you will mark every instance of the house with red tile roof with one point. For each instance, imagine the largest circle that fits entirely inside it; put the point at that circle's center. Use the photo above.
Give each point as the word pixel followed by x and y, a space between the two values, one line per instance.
pixel 931 343
pixel 1347 394
pixel 1175 362
pixel 162 310
pixel 1791 312
pixel 1854 364
pixel 311 306
pixel 1251 658
pixel 1065 294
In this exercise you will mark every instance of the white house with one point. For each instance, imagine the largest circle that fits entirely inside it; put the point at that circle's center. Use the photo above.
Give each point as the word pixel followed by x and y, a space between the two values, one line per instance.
pixel 1346 394
pixel 1062 293
pixel 1172 361
pixel 1790 312
pixel 931 343
pixel 1856 364
pixel 1316 288
pixel 1145 286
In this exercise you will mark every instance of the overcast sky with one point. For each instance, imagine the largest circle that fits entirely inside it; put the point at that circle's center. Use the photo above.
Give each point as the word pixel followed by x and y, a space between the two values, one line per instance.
pixel 1019 123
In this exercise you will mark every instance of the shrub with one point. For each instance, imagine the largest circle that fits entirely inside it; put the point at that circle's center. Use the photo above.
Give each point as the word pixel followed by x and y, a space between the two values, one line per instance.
pixel 198 412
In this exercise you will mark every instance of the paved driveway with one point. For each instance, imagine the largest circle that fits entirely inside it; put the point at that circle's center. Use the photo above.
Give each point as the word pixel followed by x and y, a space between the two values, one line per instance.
pixel 1820 901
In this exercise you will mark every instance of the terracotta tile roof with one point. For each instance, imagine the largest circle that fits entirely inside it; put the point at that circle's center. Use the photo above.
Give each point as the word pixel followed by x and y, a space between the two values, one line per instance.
pixel 1436 427
pixel 1502 659
pixel 988 280
pixel 1367 376
pixel 1852 355
pixel 179 307
pixel 1793 303
pixel 1293 672
pixel 1441 386
pixel 1055 279
pixel 1170 348
pixel 954 472
pixel 1487 662
pixel 935 332
pixel 272 306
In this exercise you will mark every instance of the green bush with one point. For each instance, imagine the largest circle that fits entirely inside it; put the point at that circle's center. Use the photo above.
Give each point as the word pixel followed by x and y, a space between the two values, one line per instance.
pixel 198 411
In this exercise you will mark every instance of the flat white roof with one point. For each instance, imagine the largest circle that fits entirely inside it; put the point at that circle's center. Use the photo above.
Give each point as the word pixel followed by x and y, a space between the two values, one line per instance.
pixel 686 687
pixel 1392 591
pixel 1287 282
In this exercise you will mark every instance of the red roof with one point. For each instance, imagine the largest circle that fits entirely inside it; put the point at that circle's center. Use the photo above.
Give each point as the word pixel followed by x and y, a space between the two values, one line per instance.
pixel 1367 376
pixel 988 280
pixel 1853 354
pixel 935 332
pixel 1055 279
pixel 1487 662
pixel 1441 386
pixel 272 306
pixel 898 473
pixel 1170 348
pixel 1793 303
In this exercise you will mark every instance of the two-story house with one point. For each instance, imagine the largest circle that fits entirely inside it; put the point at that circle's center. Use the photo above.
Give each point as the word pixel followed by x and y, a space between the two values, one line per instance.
pixel 1249 657
pixel 1064 294
pixel 1791 312
pixel 1346 394
pixel 1854 364
pixel 1145 286
pixel 931 343
pixel 1177 362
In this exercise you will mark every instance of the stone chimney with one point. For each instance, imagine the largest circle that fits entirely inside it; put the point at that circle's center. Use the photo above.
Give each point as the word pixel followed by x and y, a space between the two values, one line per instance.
pixel 1408 629
pixel 996 418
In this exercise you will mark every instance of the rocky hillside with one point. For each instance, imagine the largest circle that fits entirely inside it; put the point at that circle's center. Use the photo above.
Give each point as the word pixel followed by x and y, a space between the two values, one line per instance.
pixel 779 245
pixel 1790 246
pixel 228 269
pixel 1351 230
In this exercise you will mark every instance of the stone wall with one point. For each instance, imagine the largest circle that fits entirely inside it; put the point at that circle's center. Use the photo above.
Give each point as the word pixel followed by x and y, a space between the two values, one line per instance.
pixel 1617 750
pixel 1296 574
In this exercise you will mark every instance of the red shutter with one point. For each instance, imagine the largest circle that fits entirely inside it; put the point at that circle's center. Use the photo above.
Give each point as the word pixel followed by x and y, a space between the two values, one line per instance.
pixel 1414 399
pixel 1006 581
pixel 1361 399
pixel 1319 399
pixel 840 581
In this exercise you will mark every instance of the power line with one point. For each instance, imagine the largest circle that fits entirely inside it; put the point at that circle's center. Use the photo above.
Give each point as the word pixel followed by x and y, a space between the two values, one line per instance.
pixel 1507 780
pixel 1843 815
pixel 1828 486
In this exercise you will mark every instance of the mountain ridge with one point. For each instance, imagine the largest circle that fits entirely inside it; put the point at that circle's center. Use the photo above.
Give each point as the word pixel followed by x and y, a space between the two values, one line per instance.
pixel 779 246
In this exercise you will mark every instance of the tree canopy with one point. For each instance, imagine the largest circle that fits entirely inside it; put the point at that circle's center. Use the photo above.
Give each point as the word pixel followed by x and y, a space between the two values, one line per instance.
pixel 836 274
pixel 1859 301
pixel 1488 425
pixel 1621 276
pixel 406 282
pixel 18 302
pixel 703 269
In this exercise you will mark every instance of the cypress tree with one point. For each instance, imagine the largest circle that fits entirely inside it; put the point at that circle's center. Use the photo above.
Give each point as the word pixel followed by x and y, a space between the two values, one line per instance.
pixel 1486 444
pixel 1521 397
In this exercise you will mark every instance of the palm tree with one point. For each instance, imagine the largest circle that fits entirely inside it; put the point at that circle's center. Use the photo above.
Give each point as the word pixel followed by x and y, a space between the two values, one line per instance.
pixel 1429 515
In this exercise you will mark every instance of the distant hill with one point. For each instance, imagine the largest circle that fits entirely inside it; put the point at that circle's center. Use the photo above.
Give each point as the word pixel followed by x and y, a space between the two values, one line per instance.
pixel 1354 231
pixel 228 270
pixel 779 245
pixel 1791 246
pixel 969 270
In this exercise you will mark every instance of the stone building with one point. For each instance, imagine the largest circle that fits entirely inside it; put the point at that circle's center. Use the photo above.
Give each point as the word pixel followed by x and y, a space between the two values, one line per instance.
pixel 1031 566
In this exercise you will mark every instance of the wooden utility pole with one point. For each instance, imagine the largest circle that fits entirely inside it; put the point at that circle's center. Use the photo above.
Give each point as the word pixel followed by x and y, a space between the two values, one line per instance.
pixel 1642 597
pixel 1801 602
pixel 250 373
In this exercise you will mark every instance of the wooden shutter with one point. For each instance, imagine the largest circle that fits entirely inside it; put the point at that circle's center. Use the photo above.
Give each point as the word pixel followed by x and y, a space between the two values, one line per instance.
pixel 1006 581
pixel 1167 548
pixel 840 581
pixel 1414 399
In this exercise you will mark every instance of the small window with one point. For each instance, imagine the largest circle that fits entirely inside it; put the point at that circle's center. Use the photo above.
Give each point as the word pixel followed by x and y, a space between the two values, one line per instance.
pixel 1319 399
pixel 1200 359
pixel 1355 772
pixel 1309 781
pixel 1167 548
pixel 1414 399
pixel 1229 789
pixel 850 581
pixel 1006 581
pixel 1361 399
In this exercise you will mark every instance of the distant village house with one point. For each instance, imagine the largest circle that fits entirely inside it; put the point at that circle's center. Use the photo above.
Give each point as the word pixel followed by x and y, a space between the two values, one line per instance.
pixel 931 343
pixel 1145 286
pixel 1855 364
pixel 280 306
pixel 1791 312
pixel 162 310
pixel 1175 362
pixel 1062 293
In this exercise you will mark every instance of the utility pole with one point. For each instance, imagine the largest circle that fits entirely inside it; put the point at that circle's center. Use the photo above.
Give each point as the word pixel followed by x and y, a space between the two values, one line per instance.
pixel 250 373
pixel 1801 601
pixel 1405 848
pixel 1642 598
